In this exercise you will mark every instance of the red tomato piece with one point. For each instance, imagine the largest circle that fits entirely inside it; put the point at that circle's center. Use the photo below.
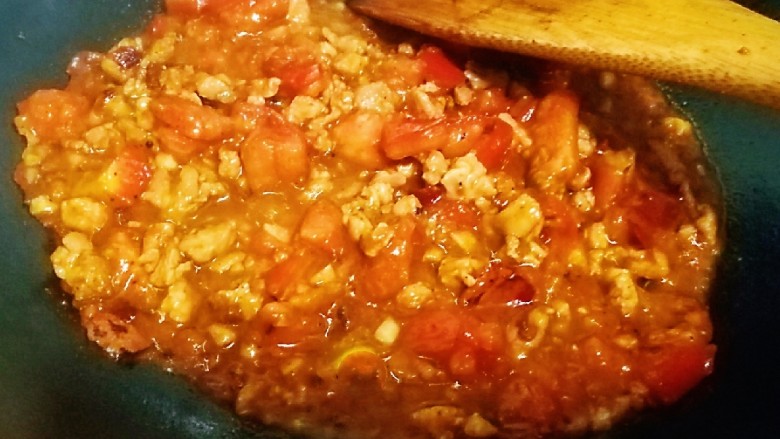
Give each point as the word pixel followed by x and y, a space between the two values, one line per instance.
pixel 275 151
pixel 302 79
pixel 248 15
pixel 653 212
pixel 322 227
pixel 257 158
pixel 298 267
pixel 455 214
pixel 432 333
pixel 303 332
pixel 197 122
pixel 489 337
pixel 500 285
pixel 386 273
pixel 246 116
pixel 299 72
pixel 55 114
pixel 561 224
pixel 430 195
pixel 180 146
pixel 454 136
pixel 674 371
pixel 437 67
pixel 493 145
pixel 357 138
pixel 128 175
pixel 464 134
pixel 408 137
pixel 523 108
pixel 291 153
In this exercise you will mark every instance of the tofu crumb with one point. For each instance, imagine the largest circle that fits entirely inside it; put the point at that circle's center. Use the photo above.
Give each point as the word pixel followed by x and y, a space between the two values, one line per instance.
pixel 387 332
pixel 84 214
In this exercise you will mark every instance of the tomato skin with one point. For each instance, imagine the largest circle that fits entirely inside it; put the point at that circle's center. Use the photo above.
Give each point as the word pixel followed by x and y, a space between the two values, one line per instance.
pixel 500 285
pixel 55 114
pixel 452 214
pixel 454 136
pixel 213 6
pixel 439 69
pixel 675 370
pixel 408 137
pixel 464 135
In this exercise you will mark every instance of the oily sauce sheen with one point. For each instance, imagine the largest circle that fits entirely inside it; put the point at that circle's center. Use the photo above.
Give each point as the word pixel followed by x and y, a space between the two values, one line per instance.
pixel 352 232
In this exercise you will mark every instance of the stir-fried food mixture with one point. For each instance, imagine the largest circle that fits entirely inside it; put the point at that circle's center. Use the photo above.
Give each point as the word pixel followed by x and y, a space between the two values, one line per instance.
pixel 348 231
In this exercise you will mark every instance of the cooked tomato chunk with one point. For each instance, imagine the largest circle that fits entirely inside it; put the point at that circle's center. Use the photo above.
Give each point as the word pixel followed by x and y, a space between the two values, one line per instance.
pixel 274 151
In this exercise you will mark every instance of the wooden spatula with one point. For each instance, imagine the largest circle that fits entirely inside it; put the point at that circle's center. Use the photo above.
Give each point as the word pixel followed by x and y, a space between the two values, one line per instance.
pixel 715 44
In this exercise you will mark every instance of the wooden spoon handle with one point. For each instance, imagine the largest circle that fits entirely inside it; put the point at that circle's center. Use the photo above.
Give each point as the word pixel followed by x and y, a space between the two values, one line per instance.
pixel 714 44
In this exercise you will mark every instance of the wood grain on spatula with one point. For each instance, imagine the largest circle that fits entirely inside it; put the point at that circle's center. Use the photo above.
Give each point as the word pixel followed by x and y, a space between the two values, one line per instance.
pixel 714 44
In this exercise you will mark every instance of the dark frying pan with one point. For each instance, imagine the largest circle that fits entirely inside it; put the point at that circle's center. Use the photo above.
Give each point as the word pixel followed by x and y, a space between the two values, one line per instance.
pixel 54 384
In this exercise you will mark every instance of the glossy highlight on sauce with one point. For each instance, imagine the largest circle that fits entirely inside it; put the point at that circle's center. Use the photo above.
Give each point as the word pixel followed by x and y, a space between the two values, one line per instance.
pixel 354 234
